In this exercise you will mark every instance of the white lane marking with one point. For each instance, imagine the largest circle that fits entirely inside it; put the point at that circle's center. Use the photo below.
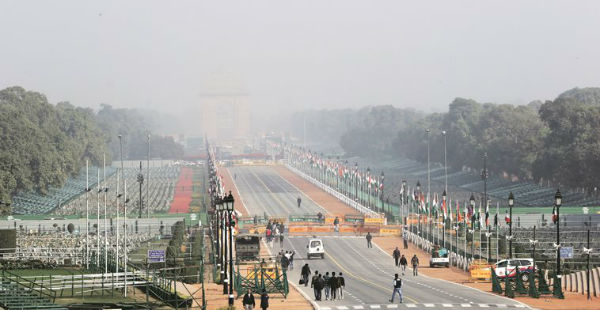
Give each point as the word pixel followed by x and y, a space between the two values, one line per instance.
pixel 429 305
pixel 392 306
pixel 375 306
pixel 358 307
pixel 446 305
pixel 484 305
pixel 411 306
pixel 520 306
pixel 342 307
pixel 325 308
pixel 501 305
pixel 465 305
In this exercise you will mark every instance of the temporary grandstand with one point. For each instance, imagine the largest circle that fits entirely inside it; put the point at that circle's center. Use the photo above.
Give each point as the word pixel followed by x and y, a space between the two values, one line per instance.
pixel 35 203
pixel 462 183
pixel 71 200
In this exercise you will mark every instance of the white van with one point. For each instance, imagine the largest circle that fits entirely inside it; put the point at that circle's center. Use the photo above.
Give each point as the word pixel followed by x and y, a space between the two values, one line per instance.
pixel 315 248
pixel 508 267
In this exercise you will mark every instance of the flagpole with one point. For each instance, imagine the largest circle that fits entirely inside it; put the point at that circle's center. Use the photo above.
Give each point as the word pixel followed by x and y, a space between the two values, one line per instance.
pixel 105 216
pixel 98 220
pixel 87 216
pixel 496 228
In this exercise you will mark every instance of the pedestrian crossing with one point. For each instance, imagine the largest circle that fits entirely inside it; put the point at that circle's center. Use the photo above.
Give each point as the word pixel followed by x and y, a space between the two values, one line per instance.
pixel 422 306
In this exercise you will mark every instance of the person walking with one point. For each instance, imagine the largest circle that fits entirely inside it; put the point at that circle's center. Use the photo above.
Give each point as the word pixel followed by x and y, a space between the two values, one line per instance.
pixel 397 288
pixel 403 263
pixel 314 285
pixel 291 259
pixel 405 239
pixel 326 285
pixel 264 300
pixel 299 200
pixel 284 262
pixel 336 224
pixel 319 286
pixel 333 285
pixel 415 264
pixel 305 272
pixel 396 255
pixel 248 300
pixel 341 286
pixel 281 240
pixel 369 238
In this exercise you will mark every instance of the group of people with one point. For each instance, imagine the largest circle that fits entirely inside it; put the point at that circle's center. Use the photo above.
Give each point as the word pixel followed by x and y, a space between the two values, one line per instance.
pixel 332 284
pixel 274 231
pixel 249 303
pixel 401 262
pixel 286 259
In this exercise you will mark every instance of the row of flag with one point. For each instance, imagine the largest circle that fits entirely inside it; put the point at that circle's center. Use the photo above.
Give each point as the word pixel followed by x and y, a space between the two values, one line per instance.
pixel 425 205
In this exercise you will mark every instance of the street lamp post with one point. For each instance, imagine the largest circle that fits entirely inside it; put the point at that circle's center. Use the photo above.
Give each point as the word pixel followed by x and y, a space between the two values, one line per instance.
pixel 445 163
pixel 444 221
pixel 511 203
pixel 381 187
pixel 557 204
pixel 418 202
pixel 403 201
pixel 228 201
pixel 369 187
pixel 356 182
pixel 428 185
pixel 472 231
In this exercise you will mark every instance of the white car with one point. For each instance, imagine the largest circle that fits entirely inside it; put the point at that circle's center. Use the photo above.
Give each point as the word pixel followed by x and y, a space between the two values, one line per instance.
pixel 508 267
pixel 439 258
pixel 315 248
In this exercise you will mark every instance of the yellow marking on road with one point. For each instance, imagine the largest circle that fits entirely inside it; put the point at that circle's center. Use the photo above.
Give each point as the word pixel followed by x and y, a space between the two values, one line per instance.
pixel 365 280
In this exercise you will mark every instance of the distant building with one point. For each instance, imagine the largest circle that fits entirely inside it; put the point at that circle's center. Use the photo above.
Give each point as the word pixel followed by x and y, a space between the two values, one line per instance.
pixel 225 112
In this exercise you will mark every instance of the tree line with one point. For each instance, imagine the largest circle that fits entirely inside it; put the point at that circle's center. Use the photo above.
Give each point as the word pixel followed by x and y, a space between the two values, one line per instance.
pixel 43 144
pixel 555 140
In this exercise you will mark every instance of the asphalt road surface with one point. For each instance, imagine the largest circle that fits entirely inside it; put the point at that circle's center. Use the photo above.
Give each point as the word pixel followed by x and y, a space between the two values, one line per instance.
pixel 368 272
pixel 263 190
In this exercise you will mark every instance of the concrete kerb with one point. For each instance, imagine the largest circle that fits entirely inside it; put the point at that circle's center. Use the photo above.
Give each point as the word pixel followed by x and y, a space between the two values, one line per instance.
pixel 466 286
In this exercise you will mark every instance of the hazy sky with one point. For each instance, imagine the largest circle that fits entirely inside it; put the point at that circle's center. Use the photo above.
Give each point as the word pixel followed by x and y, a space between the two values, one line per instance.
pixel 294 54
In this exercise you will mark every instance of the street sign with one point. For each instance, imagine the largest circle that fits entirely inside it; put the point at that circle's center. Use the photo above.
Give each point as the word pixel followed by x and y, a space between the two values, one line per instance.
pixel 566 252
pixel 193 216
pixel 585 210
pixel 156 256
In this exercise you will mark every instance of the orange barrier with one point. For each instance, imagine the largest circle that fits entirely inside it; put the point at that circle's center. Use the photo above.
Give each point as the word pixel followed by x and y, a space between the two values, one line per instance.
pixel 295 229
pixel 373 220
pixel 389 231
pixel 320 229
pixel 347 229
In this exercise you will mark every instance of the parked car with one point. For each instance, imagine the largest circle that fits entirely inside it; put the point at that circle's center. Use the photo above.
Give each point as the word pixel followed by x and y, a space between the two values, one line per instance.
pixel 508 267
pixel 439 258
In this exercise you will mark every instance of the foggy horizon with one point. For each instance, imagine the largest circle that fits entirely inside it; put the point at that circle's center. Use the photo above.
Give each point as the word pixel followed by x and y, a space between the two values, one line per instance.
pixel 294 56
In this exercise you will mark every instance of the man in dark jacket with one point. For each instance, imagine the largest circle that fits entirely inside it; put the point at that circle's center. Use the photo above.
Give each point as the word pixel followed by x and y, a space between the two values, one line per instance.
pixel 248 301
pixel 333 284
pixel 305 272
pixel 341 286
pixel 396 255
pixel 264 300
pixel 284 262
pixel 397 288
pixel 403 263
pixel 415 264
pixel 369 238
pixel 314 285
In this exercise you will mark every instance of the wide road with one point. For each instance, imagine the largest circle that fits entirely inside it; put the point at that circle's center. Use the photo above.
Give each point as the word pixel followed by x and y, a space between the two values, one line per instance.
pixel 368 272
pixel 264 191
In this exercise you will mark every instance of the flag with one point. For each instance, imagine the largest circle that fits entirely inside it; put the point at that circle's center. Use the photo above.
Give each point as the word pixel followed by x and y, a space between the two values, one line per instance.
pixel 554 215
pixel 458 217
pixel 507 218
pixel 444 208
pixel 487 214
pixel 451 217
